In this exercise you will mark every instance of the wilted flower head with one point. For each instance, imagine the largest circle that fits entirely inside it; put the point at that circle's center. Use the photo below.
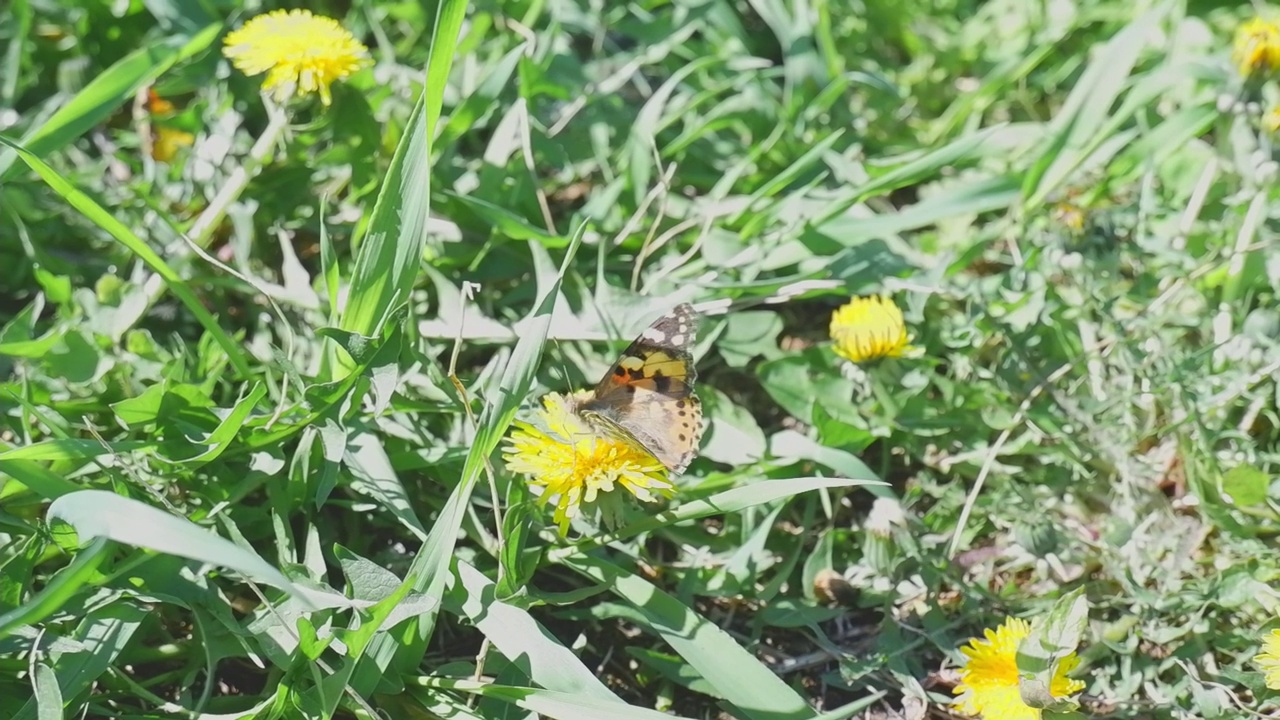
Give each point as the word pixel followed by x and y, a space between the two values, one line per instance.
pixel 167 142
pixel 1256 49
pixel 988 685
pixel 305 53
pixel 577 463
pixel 869 328
pixel 885 513
pixel 1269 659
pixel 1271 121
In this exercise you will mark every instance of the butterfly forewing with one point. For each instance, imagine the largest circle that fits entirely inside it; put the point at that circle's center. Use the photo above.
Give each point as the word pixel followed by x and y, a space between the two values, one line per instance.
pixel 647 395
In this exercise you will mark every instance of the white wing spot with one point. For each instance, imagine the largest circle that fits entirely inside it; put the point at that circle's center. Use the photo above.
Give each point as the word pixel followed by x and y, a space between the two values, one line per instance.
pixel 677 340
pixel 653 334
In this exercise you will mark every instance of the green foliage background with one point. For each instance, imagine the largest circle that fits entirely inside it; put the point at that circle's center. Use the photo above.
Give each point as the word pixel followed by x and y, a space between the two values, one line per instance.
pixel 285 508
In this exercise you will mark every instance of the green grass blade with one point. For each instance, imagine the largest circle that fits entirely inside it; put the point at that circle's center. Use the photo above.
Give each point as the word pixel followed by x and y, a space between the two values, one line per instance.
pixel 430 569
pixel 34 477
pixel 391 251
pixel 516 634
pixel 728 501
pixel 959 152
pixel 116 229
pixel 110 90
pixel 11 65
pixel 53 596
pixel 744 681
pixel 550 703
pixel 1084 115
pixel 977 196
pixel 48 694
pixel 73 449
pixel 104 633
pixel 102 514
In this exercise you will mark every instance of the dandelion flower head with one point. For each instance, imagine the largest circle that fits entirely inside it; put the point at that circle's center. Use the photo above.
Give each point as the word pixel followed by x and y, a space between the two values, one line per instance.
pixel 578 464
pixel 868 328
pixel 1269 659
pixel 303 53
pixel 1256 49
pixel 988 685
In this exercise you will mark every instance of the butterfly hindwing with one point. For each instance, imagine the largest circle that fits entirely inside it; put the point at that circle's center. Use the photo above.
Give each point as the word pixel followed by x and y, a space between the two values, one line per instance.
pixel 647 396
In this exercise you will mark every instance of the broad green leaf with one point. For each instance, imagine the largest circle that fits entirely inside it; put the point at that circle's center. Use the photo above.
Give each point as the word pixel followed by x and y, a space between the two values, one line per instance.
pixel 102 514
pixel 1247 485
pixel 745 683
pixel 48 694
pixel 1054 636
pixel 523 640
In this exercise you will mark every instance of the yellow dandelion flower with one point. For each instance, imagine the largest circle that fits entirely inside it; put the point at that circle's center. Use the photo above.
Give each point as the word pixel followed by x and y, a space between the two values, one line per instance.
pixel 1256 49
pixel 869 328
pixel 988 685
pixel 1269 659
pixel 304 53
pixel 168 141
pixel 579 465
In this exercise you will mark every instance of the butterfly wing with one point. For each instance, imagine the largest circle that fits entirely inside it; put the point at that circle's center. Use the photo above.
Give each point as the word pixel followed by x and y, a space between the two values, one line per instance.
pixel 648 393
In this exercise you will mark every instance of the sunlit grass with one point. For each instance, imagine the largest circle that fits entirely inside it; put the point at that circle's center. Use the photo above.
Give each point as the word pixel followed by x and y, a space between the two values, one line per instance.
pixel 261 345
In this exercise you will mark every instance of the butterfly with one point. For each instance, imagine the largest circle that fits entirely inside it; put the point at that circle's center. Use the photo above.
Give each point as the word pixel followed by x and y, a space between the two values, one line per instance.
pixel 646 398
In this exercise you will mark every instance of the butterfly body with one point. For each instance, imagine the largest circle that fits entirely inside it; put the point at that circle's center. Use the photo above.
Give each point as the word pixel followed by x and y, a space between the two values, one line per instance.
pixel 647 399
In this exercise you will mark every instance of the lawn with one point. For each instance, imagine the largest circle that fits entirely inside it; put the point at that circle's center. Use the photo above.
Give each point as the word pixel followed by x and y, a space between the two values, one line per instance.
pixel 954 389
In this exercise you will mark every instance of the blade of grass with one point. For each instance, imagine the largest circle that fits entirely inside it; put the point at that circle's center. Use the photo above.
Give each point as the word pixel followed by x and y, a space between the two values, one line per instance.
pixel 11 67
pixel 116 229
pixel 1077 126
pixel 728 501
pixel 386 265
pixel 34 477
pixel 73 449
pixel 430 569
pixel 517 635
pixel 104 633
pixel 744 681
pixel 107 92
pixel 102 514
pixel 553 704
pixel 955 154
pixel 65 583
